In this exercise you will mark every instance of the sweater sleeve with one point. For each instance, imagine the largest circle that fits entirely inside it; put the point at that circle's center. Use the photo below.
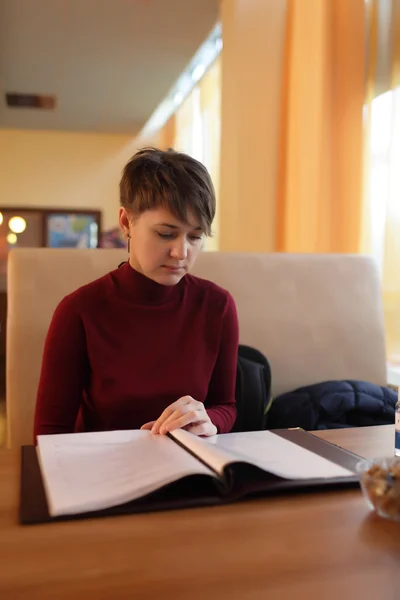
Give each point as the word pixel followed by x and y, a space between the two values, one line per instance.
pixel 64 372
pixel 220 403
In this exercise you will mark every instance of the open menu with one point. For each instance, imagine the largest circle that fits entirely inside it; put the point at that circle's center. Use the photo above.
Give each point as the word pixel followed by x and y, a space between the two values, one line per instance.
pixel 71 475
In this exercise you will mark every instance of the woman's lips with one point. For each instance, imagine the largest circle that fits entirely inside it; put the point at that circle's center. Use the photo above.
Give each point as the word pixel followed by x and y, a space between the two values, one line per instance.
pixel 173 269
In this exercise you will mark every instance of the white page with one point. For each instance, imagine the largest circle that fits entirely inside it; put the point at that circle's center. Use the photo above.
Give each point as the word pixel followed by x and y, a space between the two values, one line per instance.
pixel 265 450
pixel 91 471
pixel 216 457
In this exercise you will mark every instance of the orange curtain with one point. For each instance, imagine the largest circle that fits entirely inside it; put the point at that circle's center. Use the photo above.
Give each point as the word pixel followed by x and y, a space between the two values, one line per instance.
pixel 319 202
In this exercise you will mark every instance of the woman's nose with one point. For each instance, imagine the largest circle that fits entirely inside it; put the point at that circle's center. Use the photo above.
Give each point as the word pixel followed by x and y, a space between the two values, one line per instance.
pixel 179 249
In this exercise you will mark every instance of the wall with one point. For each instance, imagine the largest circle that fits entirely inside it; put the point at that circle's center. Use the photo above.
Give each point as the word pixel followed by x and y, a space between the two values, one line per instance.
pixel 66 170
pixel 71 170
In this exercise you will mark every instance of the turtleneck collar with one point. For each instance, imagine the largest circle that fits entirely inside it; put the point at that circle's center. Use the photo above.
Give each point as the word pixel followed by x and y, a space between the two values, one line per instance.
pixel 142 290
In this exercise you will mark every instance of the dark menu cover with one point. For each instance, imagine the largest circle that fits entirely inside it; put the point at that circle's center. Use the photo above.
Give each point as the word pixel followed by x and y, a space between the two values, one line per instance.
pixel 194 491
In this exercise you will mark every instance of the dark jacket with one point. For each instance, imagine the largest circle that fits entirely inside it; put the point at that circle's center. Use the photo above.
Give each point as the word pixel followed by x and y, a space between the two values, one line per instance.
pixel 333 404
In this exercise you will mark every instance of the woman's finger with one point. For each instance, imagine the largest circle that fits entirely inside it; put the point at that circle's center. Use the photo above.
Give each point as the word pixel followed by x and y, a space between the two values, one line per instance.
pixel 162 418
pixel 181 406
pixel 181 402
pixel 148 425
pixel 181 410
pixel 177 414
pixel 192 416
pixel 204 429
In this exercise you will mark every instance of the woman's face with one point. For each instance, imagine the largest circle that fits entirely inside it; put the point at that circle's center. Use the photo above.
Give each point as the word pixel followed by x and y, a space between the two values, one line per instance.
pixel 161 247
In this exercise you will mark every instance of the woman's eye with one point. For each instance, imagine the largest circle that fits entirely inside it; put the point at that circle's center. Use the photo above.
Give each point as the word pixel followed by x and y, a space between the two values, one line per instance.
pixel 171 236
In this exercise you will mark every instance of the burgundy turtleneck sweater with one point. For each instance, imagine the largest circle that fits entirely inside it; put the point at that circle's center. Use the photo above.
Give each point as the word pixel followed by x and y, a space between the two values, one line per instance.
pixel 122 348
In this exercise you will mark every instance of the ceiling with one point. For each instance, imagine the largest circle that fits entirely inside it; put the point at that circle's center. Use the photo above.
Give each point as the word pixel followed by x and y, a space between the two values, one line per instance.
pixel 109 62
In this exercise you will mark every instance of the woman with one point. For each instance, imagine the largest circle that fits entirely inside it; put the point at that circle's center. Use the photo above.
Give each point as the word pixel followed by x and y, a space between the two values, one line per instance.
pixel 148 345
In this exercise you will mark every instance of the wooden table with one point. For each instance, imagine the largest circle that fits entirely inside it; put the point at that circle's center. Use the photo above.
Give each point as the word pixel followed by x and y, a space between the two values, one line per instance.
pixel 319 545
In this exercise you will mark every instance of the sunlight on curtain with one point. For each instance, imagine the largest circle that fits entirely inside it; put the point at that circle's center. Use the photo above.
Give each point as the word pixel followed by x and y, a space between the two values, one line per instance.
pixel 198 130
pixel 381 228
pixel 384 207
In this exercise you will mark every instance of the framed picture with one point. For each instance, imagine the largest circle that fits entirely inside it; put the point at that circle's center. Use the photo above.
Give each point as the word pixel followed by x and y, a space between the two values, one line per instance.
pixel 72 229
pixel 28 227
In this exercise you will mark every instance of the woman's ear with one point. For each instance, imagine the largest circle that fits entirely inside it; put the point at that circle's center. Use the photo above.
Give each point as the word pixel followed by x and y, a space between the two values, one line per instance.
pixel 124 221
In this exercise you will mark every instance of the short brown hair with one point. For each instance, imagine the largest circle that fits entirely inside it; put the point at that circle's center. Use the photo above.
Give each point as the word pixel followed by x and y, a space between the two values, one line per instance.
pixel 173 180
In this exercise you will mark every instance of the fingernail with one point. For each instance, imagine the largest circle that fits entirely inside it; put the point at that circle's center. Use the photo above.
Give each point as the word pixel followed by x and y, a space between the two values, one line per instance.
pixel 163 430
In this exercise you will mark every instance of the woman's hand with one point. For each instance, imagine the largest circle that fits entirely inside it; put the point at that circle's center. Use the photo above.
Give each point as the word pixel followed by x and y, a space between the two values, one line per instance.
pixel 185 413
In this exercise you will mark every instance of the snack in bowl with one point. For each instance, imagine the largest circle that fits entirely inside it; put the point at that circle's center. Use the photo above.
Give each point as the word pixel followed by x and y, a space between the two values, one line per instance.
pixel 380 482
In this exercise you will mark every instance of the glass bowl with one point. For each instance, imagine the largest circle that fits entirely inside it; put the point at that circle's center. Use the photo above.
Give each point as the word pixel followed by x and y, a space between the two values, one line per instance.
pixel 380 483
